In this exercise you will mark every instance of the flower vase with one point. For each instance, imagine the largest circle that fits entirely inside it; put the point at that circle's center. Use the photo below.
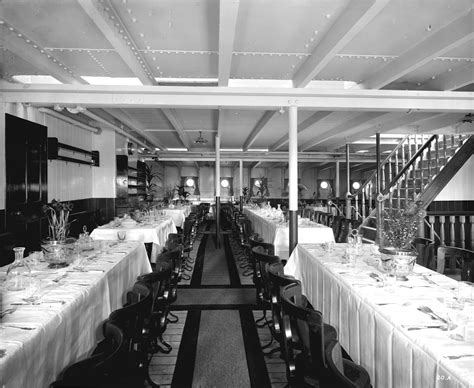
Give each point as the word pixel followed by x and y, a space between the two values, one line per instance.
pixel 54 252
pixel 399 261
pixel 19 272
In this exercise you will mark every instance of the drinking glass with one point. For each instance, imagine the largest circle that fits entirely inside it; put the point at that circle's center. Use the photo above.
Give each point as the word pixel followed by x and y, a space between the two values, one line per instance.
pixel 121 235
pixel 35 290
pixel 457 321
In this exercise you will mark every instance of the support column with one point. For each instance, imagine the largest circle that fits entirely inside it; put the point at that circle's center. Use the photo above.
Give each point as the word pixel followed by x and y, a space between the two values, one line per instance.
pixel 348 182
pixel 379 196
pixel 293 177
pixel 337 183
pixel 241 185
pixel 218 190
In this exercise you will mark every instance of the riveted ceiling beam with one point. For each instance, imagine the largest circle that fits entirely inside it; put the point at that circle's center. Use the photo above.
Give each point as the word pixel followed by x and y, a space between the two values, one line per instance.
pixel 353 19
pixel 311 120
pixel 353 123
pixel 452 80
pixel 436 44
pixel 252 98
pixel 395 122
pixel 257 130
pixel 108 21
pixel 228 11
pixel 177 124
pixel 130 121
pixel 33 53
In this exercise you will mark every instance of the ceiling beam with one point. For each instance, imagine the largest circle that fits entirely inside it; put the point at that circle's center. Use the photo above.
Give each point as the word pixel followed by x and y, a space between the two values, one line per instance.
pixel 257 130
pixel 353 19
pixel 311 120
pixel 33 53
pixel 177 124
pixel 395 122
pixel 108 21
pixel 444 40
pixel 452 80
pixel 331 132
pixel 280 157
pixel 253 98
pixel 228 11
pixel 134 124
pixel 220 122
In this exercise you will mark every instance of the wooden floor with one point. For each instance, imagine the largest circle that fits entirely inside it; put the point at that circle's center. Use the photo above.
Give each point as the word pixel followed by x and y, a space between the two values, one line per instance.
pixel 228 274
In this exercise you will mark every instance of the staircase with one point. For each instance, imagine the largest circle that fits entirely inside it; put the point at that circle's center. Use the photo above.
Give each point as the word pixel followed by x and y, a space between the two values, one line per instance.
pixel 415 172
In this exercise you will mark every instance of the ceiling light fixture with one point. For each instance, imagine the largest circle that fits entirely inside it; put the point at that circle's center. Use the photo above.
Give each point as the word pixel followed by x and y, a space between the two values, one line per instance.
pixel 200 139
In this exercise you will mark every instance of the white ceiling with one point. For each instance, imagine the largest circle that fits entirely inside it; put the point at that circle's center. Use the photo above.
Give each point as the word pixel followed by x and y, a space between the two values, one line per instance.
pixel 320 49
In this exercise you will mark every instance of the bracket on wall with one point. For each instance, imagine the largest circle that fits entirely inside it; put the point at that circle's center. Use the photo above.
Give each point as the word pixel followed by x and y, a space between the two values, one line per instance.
pixel 53 153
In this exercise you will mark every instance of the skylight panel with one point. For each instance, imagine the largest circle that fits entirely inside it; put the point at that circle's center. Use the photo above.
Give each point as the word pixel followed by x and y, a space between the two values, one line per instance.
pixel 36 79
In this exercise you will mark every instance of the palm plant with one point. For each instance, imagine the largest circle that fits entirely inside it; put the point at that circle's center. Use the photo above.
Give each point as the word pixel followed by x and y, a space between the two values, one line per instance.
pixel 150 175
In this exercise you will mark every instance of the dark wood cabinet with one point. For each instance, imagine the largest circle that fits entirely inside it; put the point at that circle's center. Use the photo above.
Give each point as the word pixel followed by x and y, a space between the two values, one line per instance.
pixel 130 185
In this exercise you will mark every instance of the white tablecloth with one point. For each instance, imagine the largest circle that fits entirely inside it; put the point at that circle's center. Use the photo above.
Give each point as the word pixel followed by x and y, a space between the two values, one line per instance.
pixel 156 233
pixel 373 321
pixel 178 214
pixel 67 324
pixel 277 233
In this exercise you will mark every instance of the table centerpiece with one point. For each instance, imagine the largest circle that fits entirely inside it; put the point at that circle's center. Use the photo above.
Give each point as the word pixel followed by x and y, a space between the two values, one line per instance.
pixel 399 230
pixel 55 246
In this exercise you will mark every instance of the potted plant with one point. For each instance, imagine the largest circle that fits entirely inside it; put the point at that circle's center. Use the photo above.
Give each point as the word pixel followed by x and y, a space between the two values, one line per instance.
pixel 151 175
pixel 54 247
pixel 399 230
pixel 183 194
pixel 246 194
pixel 168 195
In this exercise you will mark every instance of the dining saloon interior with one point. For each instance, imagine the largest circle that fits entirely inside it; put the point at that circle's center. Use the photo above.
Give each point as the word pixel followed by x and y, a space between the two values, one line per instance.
pixel 236 193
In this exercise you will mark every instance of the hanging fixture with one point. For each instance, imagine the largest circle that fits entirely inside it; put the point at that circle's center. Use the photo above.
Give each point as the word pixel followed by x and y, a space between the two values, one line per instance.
pixel 200 139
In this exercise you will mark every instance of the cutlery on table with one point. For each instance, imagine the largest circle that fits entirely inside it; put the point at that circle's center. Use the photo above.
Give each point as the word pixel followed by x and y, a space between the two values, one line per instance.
pixel 4 326
pixel 432 314
pixel 7 311
pixel 59 278
pixel 454 357
pixel 420 327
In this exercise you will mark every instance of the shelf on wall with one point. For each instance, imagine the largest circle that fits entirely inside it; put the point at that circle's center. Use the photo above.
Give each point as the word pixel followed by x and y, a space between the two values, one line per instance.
pixel 53 153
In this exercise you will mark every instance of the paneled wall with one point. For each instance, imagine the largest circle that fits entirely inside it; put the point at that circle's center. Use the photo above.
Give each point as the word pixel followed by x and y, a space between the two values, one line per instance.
pixel 67 181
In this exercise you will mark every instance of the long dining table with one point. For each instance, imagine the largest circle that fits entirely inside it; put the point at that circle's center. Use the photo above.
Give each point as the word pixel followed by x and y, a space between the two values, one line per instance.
pixel 277 233
pixel 154 231
pixel 38 340
pixel 178 213
pixel 379 324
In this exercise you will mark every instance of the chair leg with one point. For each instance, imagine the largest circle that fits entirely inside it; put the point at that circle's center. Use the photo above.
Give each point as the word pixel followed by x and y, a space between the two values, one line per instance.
pixel 175 318
pixel 277 349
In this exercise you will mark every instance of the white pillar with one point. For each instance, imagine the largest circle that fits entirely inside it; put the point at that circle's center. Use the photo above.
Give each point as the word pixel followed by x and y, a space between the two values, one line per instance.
pixel 293 159
pixel 218 166
pixel 338 190
pixel 241 177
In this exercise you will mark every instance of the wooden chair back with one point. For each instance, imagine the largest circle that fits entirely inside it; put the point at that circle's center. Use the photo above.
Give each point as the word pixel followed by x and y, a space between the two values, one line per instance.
pixel 457 263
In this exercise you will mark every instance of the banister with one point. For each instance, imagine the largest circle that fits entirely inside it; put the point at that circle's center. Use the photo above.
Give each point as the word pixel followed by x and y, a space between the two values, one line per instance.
pixel 409 164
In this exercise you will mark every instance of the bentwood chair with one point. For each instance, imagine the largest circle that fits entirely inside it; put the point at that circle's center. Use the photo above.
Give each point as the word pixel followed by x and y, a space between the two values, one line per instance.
pixel 278 280
pixel 262 259
pixel 342 373
pixel 159 281
pixel 99 369
pixel 174 258
pixel 456 263
pixel 425 249
pixel 302 322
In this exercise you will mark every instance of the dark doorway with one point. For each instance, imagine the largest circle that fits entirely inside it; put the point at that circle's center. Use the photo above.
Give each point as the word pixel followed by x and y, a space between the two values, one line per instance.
pixel 27 180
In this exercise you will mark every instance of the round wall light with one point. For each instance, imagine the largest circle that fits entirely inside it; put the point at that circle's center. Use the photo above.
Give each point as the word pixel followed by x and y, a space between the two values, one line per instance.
pixel 356 185
pixel 190 182
pixel 224 183
pixel 324 185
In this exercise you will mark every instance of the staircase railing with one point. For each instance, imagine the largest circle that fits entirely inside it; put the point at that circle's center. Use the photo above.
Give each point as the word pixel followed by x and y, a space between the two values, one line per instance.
pixel 365 197
pixel 406 172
